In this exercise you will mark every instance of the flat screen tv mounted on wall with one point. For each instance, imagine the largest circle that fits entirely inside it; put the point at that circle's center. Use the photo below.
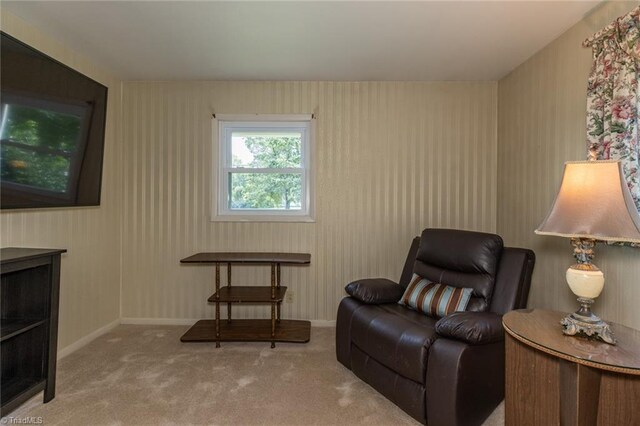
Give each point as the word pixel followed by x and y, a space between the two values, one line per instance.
pixel 51 131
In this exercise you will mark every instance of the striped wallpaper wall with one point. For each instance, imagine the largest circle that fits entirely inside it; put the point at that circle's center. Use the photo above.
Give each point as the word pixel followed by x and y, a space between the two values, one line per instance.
pixel 541 120
pixel 391 159
pixel 90 274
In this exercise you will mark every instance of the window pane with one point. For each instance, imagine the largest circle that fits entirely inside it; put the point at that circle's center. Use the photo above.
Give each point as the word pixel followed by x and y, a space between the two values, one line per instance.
pixel 265 191
pixel 266 149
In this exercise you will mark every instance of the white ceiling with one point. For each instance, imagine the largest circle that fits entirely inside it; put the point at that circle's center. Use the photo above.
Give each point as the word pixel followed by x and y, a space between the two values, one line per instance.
pixel 177 40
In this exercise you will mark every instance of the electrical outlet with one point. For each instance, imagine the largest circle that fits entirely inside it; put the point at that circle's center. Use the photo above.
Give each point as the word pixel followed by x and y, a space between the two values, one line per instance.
pixel 289 296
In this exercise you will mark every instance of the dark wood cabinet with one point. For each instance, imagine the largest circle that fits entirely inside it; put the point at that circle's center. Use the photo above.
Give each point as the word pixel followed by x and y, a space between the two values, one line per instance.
pixel 29 294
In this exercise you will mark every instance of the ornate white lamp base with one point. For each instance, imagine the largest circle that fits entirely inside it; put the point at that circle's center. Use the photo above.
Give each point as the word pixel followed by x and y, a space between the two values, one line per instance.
pixel 586 281
pixel 585 322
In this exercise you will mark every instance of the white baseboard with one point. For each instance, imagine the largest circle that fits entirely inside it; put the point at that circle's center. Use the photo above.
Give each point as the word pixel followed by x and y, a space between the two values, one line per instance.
pixel 158 321
pixel 149 321
pixel 86 339
pixel 323 323
pixel 191 321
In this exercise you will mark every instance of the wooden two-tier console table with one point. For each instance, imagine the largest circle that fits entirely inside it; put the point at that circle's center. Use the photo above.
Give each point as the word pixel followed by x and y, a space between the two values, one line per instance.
pixel 553 379
pixel 249 330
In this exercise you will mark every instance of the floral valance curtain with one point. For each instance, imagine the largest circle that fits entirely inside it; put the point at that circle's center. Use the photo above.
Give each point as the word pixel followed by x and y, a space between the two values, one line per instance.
pixel 613 99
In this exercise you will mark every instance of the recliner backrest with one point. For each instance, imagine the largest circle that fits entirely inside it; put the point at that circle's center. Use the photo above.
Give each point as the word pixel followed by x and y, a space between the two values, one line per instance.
pixel 513 281
pixel 461 259
pixel 407 271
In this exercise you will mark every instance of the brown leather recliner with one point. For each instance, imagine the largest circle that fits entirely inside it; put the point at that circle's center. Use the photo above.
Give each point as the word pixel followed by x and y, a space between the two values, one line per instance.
pixel 447 371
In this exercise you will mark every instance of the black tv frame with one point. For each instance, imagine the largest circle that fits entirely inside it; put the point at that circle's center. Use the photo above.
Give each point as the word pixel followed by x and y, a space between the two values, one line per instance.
pixel 89 177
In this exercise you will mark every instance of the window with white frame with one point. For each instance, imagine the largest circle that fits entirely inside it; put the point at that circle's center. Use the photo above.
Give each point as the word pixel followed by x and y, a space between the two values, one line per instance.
pixel 264 166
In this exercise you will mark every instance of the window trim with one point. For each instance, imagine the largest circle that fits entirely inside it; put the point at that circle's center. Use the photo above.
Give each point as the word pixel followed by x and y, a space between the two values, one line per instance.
pixel 222 126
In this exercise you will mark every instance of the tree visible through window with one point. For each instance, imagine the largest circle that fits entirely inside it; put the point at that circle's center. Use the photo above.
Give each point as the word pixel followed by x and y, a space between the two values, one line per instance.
pixel 264 168
pixel 268 190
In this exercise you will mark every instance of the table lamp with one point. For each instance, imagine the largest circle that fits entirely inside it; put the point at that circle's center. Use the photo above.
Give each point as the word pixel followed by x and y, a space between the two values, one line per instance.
pixel 593 204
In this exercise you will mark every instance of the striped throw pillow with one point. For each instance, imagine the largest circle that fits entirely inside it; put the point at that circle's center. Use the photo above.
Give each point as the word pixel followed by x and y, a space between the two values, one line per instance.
pixel 434 299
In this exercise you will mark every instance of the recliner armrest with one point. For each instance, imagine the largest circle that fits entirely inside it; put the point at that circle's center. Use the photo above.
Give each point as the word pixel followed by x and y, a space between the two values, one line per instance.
pixel 375 291
pixel 475 328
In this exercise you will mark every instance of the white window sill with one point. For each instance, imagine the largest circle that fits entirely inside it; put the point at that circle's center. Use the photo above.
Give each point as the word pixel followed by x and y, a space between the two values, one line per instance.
pixel 262 218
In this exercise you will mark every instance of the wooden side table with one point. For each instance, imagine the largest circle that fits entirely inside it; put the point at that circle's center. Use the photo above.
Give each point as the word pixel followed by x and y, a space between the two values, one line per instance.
pixel 553 379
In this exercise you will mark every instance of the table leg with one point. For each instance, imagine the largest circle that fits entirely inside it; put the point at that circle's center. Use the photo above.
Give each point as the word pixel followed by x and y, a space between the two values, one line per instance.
pixel 229 286
pixel 273 304
pixel 273 324
pixel 278 286
pixel 273 280
pixel 580 391
pixel 217 305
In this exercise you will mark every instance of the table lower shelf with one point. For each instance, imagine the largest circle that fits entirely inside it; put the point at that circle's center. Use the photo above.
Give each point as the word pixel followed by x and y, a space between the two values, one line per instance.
pixel 249 294
pixel 249 330
pixel 18 390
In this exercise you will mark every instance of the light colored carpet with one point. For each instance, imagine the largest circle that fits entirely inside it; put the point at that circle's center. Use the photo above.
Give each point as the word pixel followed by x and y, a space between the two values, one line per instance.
pixel 144 375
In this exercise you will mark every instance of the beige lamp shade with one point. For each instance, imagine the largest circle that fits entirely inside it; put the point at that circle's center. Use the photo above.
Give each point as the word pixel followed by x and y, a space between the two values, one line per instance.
pixel 593 202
